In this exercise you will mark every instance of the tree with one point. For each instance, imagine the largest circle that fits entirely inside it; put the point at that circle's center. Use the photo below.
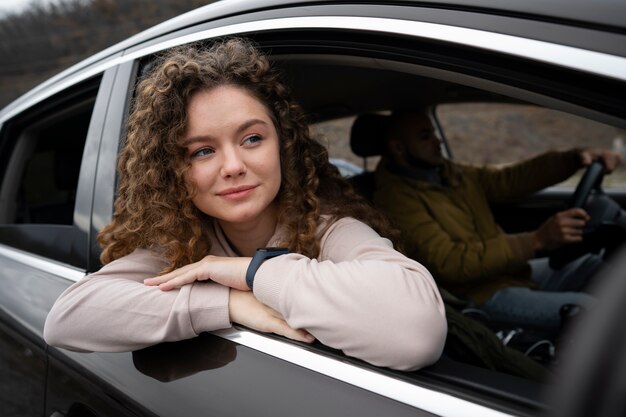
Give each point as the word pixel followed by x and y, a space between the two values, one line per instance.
pixel 45 39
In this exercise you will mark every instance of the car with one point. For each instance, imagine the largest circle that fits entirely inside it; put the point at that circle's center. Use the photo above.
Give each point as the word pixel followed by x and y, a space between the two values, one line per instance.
pixel 504 80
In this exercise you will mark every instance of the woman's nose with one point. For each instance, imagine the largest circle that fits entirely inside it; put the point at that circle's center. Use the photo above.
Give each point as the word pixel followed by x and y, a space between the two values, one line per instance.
pixel 232 163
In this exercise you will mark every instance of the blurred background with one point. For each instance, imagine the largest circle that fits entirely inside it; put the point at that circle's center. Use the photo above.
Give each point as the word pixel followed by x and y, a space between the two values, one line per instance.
pixel 40 38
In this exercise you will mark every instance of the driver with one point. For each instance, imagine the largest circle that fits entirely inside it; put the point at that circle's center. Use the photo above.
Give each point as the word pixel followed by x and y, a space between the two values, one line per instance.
pixel 443 211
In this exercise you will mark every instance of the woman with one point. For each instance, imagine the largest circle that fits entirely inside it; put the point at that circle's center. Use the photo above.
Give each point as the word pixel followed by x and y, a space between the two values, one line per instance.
pixel 217 163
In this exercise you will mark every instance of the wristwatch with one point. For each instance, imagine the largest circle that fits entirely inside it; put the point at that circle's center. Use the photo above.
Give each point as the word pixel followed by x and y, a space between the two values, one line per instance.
pixel 259 257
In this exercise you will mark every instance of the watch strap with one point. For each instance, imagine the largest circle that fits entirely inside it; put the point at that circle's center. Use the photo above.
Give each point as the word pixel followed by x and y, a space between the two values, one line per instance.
pixel 259 257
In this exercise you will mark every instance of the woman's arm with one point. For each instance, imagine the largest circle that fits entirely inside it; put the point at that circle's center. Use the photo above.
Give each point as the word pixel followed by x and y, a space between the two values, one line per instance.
pixel 361 296
pixel 112 310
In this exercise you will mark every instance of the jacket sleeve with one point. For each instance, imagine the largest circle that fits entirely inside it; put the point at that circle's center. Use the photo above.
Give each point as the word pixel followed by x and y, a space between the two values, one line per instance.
pixel 112 310
pixel 528 176
pixel 456 260
pixel 360 296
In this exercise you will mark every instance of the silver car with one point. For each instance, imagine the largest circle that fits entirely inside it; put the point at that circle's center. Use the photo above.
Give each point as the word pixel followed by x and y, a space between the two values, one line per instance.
pixel 505 80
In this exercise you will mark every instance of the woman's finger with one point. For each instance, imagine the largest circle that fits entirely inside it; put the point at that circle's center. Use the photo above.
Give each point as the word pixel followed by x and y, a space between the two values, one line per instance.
pixel 160 279
pixel 169 276
pixel 182 271
pixel 184 279
pixel 175 279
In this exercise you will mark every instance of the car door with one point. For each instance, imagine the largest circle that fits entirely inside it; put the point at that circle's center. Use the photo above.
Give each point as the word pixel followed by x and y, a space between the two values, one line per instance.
pixel 49 143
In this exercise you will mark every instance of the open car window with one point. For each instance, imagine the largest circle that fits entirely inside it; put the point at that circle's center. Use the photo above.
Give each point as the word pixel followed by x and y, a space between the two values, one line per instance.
pixel 499 130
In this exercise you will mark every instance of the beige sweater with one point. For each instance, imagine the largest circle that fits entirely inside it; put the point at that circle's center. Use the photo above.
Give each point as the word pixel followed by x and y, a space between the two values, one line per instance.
pixel 359 295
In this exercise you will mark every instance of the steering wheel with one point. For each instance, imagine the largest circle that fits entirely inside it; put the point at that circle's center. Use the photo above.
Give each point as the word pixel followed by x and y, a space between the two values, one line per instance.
pixel 591 180
pixel 606 216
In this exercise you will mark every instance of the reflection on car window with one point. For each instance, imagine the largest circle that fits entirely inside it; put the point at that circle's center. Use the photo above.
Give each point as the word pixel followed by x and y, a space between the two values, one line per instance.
pixel 48 189
pixel 47 159
pixel 495 133
pixel 41 154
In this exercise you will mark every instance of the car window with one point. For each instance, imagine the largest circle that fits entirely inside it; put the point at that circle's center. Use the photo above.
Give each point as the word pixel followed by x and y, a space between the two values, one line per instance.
pixel 335 135
pixel 42 150
pixel 47 163
pixel 496 133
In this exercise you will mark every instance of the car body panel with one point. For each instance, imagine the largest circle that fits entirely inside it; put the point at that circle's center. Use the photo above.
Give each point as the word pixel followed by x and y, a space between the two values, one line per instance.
pixel 214 376
pixel 27 295
pixel 22 388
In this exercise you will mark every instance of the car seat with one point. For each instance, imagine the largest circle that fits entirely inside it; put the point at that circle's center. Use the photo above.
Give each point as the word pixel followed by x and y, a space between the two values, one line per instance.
pixel 367 139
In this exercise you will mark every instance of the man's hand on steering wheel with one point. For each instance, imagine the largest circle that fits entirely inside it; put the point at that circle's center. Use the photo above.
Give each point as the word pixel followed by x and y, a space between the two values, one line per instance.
pixel 610 159
pixel 562 228
pixel 604 220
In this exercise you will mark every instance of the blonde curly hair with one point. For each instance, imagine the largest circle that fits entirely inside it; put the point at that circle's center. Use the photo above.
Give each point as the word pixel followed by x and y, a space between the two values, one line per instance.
pixel 154 206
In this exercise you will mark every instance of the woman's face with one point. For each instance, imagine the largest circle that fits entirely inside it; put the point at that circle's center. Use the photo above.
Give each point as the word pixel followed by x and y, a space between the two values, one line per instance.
pixel 233 147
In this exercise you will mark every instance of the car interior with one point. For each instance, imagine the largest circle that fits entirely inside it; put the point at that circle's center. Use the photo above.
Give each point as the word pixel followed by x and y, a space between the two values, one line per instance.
pixel 351 110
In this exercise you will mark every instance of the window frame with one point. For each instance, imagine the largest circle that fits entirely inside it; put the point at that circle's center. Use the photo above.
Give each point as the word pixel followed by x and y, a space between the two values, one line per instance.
pixel 64 243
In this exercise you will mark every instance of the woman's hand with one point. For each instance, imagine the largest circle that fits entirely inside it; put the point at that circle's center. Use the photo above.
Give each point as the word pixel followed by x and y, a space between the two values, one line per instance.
pixel 245 309
pixel 228 271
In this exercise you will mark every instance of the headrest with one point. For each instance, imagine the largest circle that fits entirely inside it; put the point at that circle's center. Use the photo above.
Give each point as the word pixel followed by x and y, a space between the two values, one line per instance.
pixel 367 137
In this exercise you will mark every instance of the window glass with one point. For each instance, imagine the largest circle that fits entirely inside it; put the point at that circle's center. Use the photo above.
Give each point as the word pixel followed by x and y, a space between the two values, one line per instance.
pixel 46 160
pixel 494 133
pixel 335 135
pixel 41 153
pixel 47 191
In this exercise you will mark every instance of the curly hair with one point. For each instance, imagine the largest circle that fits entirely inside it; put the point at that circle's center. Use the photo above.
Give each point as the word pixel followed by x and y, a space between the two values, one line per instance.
pixel 154 207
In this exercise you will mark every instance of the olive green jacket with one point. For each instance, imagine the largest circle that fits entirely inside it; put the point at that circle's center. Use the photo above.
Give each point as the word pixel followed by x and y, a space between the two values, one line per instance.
pixel 451 230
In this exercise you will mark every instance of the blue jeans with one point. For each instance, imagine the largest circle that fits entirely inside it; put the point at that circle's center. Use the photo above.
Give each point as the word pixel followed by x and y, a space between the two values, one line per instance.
pixel 522 306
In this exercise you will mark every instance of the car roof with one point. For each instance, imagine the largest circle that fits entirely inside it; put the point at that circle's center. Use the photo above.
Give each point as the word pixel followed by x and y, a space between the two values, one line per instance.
pixel 605 14
pixel 602 13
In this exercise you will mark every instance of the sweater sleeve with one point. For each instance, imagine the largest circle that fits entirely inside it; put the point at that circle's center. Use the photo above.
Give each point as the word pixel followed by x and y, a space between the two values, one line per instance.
pixel 112 310
pixel 360 296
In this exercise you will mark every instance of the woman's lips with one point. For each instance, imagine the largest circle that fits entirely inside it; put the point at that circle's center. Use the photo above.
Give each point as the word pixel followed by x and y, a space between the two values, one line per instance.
pixel 237 193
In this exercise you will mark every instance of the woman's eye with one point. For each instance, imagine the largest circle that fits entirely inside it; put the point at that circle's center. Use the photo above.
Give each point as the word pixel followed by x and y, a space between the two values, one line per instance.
pixel 251 140
pixel 202 152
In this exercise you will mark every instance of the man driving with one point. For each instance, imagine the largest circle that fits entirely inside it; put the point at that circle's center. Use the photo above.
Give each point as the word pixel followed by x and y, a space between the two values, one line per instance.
pixel 443 210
